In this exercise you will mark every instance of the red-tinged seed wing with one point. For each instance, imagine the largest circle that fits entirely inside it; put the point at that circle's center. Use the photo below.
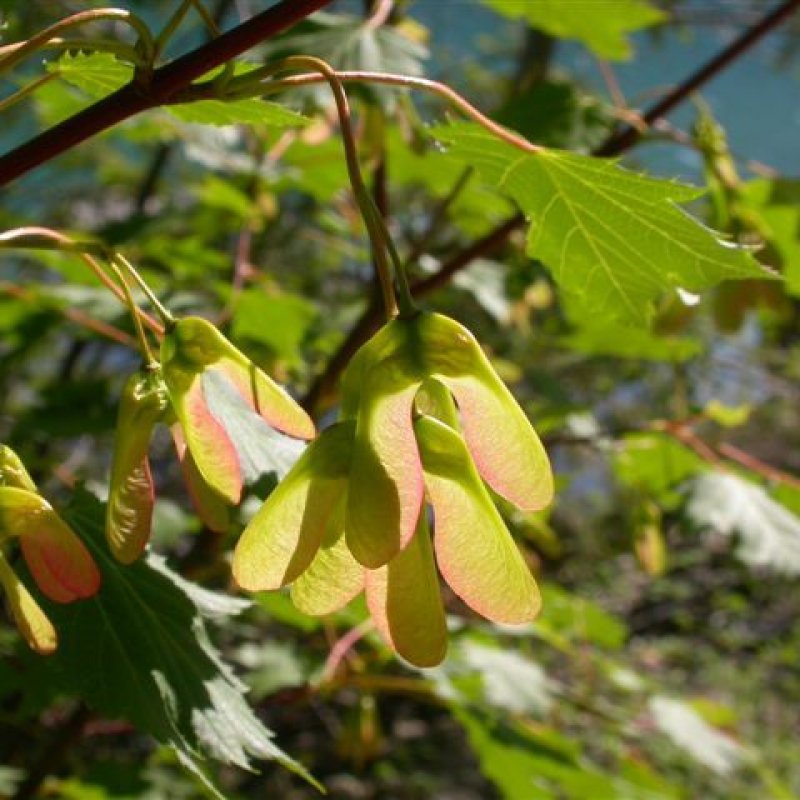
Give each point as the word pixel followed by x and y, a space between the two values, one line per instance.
pixel 131 494
pixel 33 624
pixel 273 403
pixel 334 577
pixel 210 506
pixel 210 446
pixel 406 605
pixel 283 537
pixel 57 558
pixel 474 550
pixel 502 441
pixel 386 489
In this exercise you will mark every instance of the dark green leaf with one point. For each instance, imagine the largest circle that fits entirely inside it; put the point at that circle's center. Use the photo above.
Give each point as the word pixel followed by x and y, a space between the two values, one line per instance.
pixel 140 651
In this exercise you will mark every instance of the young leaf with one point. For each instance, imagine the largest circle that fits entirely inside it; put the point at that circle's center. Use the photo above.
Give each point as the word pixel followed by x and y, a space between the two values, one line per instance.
pixel 97 74
pixel 283 537
pixel 140 651
pixel 614 240
pixel 405 602
pixel 248 111
pixel 474 550
pixel 601 25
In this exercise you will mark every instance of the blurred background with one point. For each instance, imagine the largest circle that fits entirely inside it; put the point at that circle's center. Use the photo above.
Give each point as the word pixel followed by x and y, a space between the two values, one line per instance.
pixel 665 660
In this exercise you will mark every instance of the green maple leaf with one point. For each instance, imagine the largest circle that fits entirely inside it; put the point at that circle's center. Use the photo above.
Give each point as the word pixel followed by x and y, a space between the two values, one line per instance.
pixel 613 239
pixel 601 25
pixel 139 650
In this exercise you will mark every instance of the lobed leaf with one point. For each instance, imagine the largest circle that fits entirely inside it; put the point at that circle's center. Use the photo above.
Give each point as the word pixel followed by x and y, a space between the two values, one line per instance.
pixel 140 651
pixel 405 602
pixel 474 550
pixel 283 537
pixel 614 240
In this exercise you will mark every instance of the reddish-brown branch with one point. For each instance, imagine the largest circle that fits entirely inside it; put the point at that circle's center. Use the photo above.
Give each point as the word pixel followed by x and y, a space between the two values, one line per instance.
pixel 131 99
pixel 758 466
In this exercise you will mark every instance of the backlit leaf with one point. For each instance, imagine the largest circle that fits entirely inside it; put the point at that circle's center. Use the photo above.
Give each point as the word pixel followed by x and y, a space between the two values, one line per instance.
pixel 248 111
pixel 601 25
pixel 614 240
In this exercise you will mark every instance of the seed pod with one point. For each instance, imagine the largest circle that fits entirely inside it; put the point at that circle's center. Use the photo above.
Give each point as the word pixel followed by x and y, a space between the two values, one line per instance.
pixel 131 496
pixel 58 560
pixel 283 537
pixel 210 506
pixel 194 346
pixel 32 622
pixel 405 602
pixel 474 550
pixel 334 577
pixel 13 472
pixel 380 388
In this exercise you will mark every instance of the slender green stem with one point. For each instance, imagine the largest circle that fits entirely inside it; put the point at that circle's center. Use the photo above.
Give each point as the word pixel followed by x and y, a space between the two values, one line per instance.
pixel 40 238
pixel 169 29
pixel 13 54
pixel 378 235
pixel 175 20
pixel 161 309
pixel 141 336
pixel 252 84
pixel 125 51
pixel 405 302
pixel 29 88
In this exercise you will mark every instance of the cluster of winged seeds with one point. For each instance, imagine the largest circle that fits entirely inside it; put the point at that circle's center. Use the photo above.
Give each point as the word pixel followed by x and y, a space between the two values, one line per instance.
pixel 427 431
pixel 427 428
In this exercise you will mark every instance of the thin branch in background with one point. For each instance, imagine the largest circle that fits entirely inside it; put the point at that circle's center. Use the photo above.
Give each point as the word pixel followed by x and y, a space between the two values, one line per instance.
pixel 758 466
pixel 163 84
pixel 69 245
pixel 75 315
pixel 622 110
pixel 381 11
pixel 341 648
pixel 626 138
pixel 438 216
